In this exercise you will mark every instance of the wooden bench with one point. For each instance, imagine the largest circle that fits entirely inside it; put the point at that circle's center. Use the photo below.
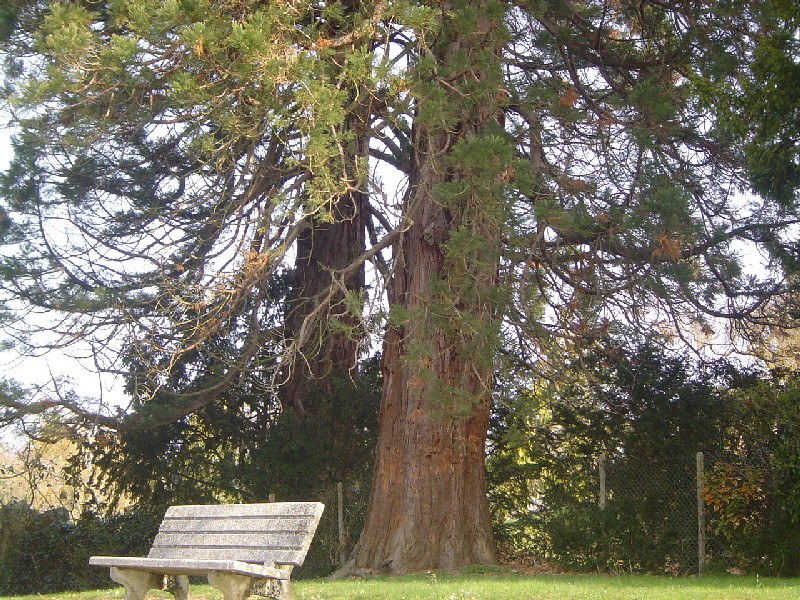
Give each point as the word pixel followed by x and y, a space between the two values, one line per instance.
pixel 243 549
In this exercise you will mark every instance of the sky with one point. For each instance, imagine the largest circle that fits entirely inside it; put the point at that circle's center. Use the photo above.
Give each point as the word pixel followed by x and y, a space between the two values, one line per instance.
pixel 5 151
pixel 41 370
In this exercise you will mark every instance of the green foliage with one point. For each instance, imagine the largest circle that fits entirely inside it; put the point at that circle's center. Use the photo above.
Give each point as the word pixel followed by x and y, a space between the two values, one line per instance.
pixel 46 552
pixel 756 101
pixel 649 412
pixel 179 96
pixel 166 148
pixel 772 104
pixel 243 449
pixel 300 457
pixel 734 496
pixel 753 482
pixel 8 17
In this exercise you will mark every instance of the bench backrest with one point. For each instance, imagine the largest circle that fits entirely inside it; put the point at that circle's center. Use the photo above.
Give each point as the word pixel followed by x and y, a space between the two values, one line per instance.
pixel 278 533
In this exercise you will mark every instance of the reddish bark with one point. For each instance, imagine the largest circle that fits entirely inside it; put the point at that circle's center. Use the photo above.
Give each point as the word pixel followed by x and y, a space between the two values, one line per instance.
pixel 428 507
pixel 324 247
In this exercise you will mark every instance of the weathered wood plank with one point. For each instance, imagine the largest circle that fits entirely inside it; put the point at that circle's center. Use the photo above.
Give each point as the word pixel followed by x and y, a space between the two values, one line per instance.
pixel 270 557
pixel 287 509
pixel 281 541
pixel 188 566
pixel 236 525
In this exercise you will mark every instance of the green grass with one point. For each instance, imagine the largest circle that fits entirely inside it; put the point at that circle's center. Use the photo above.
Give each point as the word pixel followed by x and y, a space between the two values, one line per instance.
pixel 552 587
pixel 507 587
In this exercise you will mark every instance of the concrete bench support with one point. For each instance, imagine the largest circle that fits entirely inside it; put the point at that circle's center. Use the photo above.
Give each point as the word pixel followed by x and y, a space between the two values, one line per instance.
pixel 136 583
pixel 233 587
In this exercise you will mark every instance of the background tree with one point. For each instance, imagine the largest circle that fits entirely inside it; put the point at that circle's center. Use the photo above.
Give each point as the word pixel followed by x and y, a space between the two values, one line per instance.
pixel 566 177
pixel 237 154
pixel 329 245
pixel 242 450
pixel 768 97
pixel 649 412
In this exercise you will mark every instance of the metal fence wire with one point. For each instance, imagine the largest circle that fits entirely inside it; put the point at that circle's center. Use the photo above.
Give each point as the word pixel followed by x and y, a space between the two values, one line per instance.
pixel 614 514
pixel 677 515
pixel 338 529
pixel 649 513
pixel 749 521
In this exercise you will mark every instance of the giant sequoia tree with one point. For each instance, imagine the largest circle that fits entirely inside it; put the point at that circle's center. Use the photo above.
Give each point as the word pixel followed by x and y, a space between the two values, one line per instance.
pixel 565 174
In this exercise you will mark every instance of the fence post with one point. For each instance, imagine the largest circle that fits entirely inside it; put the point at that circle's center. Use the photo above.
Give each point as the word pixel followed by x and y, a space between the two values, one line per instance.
pixel 601 467
pixel 701 516
pixel 340 514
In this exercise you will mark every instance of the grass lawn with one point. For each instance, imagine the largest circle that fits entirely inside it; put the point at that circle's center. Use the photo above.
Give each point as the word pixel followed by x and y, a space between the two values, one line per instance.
pixel 552 587
pixel 507 587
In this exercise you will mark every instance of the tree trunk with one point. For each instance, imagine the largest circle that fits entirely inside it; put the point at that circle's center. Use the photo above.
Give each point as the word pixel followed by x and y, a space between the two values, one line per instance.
pixel 327 351
pixel 428 507
pixel 319 320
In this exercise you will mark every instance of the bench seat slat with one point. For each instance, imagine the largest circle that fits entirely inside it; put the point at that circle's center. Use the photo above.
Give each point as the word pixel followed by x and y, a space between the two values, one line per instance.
pixel 188 566
pixel 237 525
pixel 278 541
pixel 285 509
pixel 282 557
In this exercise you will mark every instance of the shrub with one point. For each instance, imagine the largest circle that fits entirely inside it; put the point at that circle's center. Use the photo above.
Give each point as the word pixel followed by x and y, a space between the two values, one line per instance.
pixel 46 552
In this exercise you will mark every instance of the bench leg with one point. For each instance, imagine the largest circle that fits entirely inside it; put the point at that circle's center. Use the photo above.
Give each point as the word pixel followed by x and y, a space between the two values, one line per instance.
pixel 178 586
pixel 286 588
pixel 279 589
pixel 136 583
pixel 233 587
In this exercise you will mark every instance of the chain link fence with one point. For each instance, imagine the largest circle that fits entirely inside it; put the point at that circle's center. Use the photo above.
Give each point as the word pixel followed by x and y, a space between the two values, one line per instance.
pixel 676 515
pixel 338 530
pixel 649 513
pixel 750 507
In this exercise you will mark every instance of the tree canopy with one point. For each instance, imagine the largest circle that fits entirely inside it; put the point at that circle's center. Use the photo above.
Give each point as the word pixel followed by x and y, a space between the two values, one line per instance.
pixel 570 169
